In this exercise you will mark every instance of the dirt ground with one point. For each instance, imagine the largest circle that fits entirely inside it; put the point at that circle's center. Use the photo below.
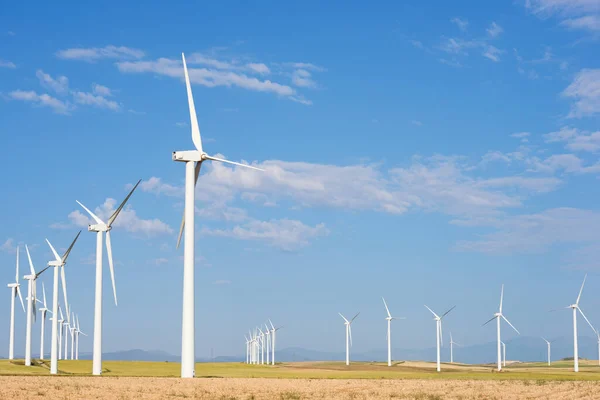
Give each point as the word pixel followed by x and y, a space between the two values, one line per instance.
pixel 22 387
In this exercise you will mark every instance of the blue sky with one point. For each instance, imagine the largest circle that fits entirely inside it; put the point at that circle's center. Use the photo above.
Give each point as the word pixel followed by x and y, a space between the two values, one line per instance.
pixel 423 152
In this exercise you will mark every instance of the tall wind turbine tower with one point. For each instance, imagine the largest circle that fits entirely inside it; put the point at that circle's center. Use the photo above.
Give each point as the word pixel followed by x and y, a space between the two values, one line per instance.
pixel 439 336
pixel 58 263
pixel 193 161
pixel 348 325
pixel 548 343
pixel 43 310
pixel 31 305
pixel 452 343
pixel 575 307
pixel 503 354
pixel 389 319
pixel 498 316
pixel 14 291
pixel 100 227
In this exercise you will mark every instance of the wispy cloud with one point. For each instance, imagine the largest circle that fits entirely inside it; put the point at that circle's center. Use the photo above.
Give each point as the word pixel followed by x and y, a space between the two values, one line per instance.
pixel 461 23
pixel 101 90
pixel 585 90
pixel 574 14
pixel 44 100
pixel 98 53
pixel 7 64
pixel 59 85
pixel 494 30
pixel 9 246
pixel 91 99
pixel 575 139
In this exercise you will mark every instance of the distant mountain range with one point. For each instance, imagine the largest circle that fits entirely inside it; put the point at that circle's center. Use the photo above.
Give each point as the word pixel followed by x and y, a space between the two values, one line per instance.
pixel 517 349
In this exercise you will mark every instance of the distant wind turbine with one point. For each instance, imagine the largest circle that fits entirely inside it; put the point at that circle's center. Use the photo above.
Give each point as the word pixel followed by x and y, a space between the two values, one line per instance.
pixel 58 263
pixel 273 332
pixel 14 291
pixel 100 227
pixel 31 305
pixel 268 337
pixel 452 343
pixel 193 161
pixel 439 335
pixel 348 335
pixel 389 319
pixel 575 308
pixel 497 316
pixel 549 343
pixel 43 310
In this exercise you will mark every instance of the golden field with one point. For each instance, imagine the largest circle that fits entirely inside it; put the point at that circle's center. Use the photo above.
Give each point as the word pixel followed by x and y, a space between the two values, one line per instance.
pixel 308 380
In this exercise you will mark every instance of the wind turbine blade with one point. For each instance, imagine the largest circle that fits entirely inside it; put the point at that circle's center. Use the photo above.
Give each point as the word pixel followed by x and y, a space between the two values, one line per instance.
pixel 66 255
pixel 581 290
pixel 20 297
pixel 39 273
pixel 94 216
pixel 31 269
pixel 353 318
pixel 344 318
pixel 272 326
pixel 17 269
pixel 44 294
pixel 501 296
pixel 61 314
pixel 64 286
pixel 110 264
pixel 447 312
pixel 193 118
pixel 489 320
pixel 232 162
pixel 511 325
pixel 118 210
pixel 196 174
pixel 386 308
pixel 587 320
pixel 431 311
pixel 56 256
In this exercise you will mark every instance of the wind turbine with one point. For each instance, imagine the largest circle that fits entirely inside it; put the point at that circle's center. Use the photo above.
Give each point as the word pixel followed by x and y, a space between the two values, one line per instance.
pixel 77 332
pixel 247 349
pixel 438 331
pixel 61 323
pixel 100 227
pixel 348 335
pixel 43 310
pixel 58 263
pixel 67 329
pixel 389 319
pixel 273 331
pixel 268 336
pixel 14 291
pixel 548 343
pixel 452 343
pixel 31 306
pixel 503 354
pixel 575 307
pixel 262 346
pixel 497 316
pixel 193 161
pixel 72 330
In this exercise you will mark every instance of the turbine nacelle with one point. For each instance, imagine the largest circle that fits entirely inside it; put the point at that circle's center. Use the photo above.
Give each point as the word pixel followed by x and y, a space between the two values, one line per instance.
pixel 99 228
pixel 13 285
pixel 189 155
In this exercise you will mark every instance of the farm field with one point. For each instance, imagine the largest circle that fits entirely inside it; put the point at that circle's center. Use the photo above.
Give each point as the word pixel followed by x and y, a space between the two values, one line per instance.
pixel 302 380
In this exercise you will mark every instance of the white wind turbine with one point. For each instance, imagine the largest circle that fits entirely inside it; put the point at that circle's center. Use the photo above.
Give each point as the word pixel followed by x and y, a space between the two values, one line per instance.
pixel 100 227
pixel 193 161
pixel 273 331
pixel 31 306
pixel 389 319
pixel 439 335
pixel 452 343
pixel 14 291
pixel 262 346
pixel 598 336
pixel 61 323
pixel 348 325
pixel 72 330
pixel 58 263
pixel 497 316
pixel 548 343
pixel 503 354
pixel 247 350
pixel 268 337
pixel 67 329
pixel 43 310
pixel 77 333
pixel 575 307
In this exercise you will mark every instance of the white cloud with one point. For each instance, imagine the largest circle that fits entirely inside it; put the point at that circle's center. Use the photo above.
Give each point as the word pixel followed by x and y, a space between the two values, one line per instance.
pixel 302 78
pixel 9 246
pixel 494 30
pixel 588 22
pixel 520 135
pixel 45 100
pixel 306 66
pixel 95 101
pixel 259 68
pixel 575 139
pixel 98 53
pixel 7 64
pixel 285 234
pixel 567 162
pixel 492 53
pixel 127 220
pixel 416 122
pixel 575 14
pixel 585 91
pixel 461 47
pixel 101 90
pixel 59 85
pixel 462 24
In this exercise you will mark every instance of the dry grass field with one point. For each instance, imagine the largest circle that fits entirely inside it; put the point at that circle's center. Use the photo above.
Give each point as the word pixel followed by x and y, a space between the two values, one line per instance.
pixel 309 380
